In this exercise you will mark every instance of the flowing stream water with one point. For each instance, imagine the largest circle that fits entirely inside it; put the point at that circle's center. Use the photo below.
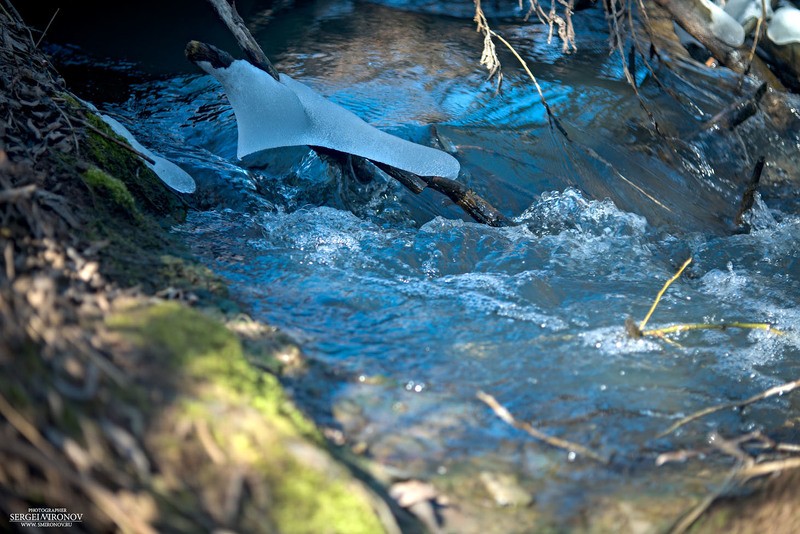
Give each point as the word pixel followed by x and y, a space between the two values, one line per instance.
pixel 413 309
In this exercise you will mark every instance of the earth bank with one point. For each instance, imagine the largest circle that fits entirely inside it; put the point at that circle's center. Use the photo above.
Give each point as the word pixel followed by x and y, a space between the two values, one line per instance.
pixel 132 391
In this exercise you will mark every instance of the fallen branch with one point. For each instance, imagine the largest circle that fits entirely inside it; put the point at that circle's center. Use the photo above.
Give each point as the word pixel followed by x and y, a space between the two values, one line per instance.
pixel 468 200
pixel 771 392
pixel 503 413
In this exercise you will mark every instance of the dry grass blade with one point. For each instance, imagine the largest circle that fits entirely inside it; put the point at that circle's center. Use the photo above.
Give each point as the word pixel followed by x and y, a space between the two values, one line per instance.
pixel 777 390
pixel 503 413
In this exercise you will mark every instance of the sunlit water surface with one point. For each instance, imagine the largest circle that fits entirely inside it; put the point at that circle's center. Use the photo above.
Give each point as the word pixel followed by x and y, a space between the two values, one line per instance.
pixel 416 309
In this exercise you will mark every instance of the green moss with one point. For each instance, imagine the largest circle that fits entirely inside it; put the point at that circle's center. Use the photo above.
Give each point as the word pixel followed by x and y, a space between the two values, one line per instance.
pixel 251 420
pixel 180 273
pixel 302 508
pixel 717 519
pixel 109 188
pixel 144 185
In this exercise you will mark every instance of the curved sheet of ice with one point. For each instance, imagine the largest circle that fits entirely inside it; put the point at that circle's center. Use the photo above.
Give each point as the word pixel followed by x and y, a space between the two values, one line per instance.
pixel 723 26
pixel 168 172
pixel 272 114
pixel 747 12
pixel 784 28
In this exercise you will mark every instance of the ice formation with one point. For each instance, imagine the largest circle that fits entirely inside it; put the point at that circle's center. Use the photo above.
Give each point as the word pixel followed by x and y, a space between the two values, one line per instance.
pixel 271 114
pixel 723 26
pixel 170 174
pixel 784 28
pixel 747 12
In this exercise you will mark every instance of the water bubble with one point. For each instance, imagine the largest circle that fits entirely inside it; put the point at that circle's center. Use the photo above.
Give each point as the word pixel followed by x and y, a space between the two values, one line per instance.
pixel 571 456
pixel 416 387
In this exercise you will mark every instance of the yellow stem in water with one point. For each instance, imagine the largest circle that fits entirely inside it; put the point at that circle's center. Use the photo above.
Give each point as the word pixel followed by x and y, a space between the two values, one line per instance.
pixel 707 326
pixel 661 293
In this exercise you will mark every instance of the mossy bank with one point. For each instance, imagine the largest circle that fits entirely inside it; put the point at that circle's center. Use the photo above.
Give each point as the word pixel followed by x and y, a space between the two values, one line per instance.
pixel 124 395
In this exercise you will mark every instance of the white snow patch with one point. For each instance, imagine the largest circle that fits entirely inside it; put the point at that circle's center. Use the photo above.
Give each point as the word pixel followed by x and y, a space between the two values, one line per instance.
pixel 723 26
pixel 784 28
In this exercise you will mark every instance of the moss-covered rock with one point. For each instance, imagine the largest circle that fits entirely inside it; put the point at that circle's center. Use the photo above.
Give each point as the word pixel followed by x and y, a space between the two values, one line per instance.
pixel 244 432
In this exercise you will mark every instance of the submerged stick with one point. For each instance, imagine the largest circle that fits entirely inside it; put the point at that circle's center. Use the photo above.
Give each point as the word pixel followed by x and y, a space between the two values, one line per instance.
pixel 468 200
pixel 771 392
pixel 738 112
pixel 748 197
pixel 503 413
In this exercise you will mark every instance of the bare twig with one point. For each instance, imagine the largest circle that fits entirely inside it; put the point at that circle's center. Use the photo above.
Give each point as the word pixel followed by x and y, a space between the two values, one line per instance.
pixel 227 12
pixel 489 57
pixel 503 413
pixel 771 392
pixel 694 514
pixel 629 77
pixel 41 37
pixel 25 428
pixel 116 141
pixel 767 468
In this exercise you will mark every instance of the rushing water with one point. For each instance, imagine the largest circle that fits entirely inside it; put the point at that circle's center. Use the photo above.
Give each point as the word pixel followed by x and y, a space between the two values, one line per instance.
pixel 416 309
